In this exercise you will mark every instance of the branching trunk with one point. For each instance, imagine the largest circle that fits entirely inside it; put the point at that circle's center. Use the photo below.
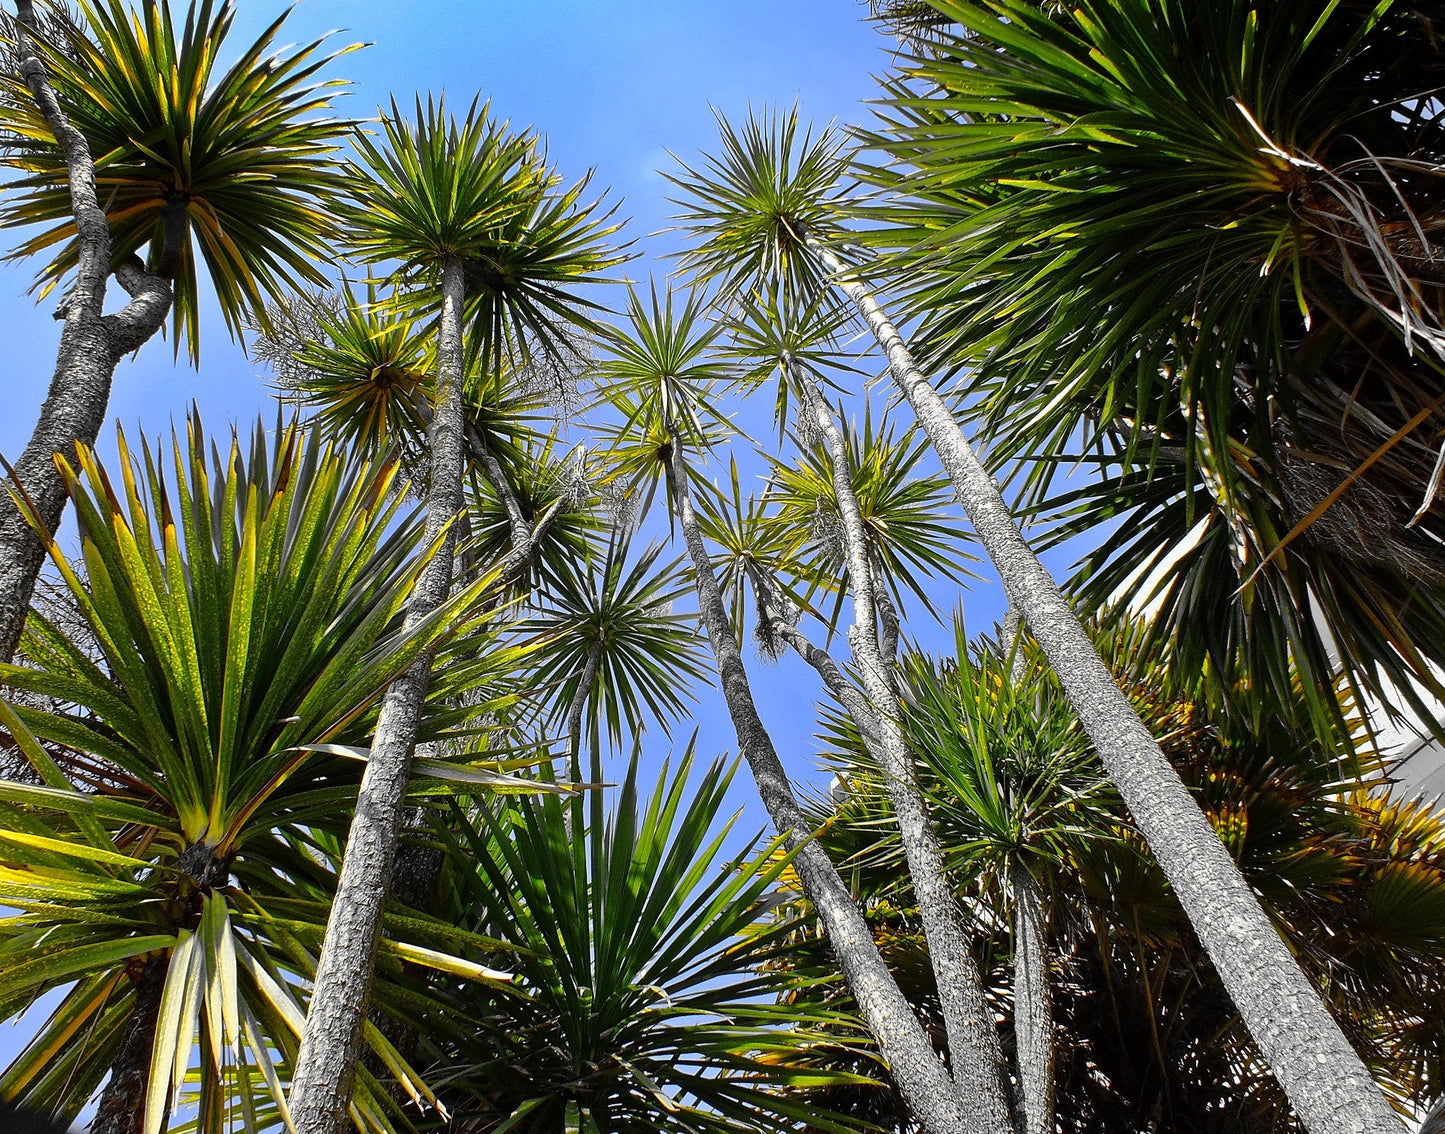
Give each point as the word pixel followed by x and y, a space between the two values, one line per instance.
pixel 972 1039
pixel 91 343
pixel 917 1070
pixel 123 1102
pixel 1033 1003
pixel 1324 1079
pixel 772 603
pixel 322 1082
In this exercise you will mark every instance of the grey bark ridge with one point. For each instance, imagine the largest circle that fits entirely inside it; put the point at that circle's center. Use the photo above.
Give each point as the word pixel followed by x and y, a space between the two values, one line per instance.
pixel 91 344
pixel 1033 1004
pixel 1434 1120
pixel 1323 1077
pixel 977 1057
pixel 922 1080
pixel 1033 994
pixel 416 868
pixel 326 1065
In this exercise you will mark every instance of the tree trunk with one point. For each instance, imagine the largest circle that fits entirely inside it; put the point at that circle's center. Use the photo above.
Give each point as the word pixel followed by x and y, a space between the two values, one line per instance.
pixel 574 712
pixel 325 1067
pixel 922 1080
pixel 1434 1121
pixel 123 1102
pixel 1323 1077
pixel 1033 1004
pixel 91 343
pixel 973 1042
pixel 573 813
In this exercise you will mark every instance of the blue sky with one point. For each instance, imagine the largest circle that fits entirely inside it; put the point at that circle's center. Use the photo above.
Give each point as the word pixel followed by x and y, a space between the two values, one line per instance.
pixel 614 88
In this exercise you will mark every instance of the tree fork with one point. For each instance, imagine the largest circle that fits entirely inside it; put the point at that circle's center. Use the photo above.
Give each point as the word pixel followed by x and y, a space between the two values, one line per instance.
pixel 1322 1075
pixel 91 344
pixel 922 1080
pixel 977 1058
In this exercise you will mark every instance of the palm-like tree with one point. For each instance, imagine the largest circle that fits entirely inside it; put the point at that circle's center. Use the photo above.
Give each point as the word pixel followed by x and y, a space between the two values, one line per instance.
pixel 359 368
pixel 855 488
pixel 231 169
pixel 1012 783
pixel 660 381
pixel 547 493
pixel 476 228
pixel 644 964
pixel 1014 790
pixel 1227 298
pixel 911 541
pixel 747 197
pixel 245 610
pixel 127 136
pixel 614 649
pixel 1139 1025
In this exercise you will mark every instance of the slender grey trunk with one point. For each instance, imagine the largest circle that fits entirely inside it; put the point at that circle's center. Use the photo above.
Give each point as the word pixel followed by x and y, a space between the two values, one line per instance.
pixel 123 1102
pixel 417 866
pixel 917 1069
pixel 91 344
pixel 1434 1121
pixel 1033 1003
pixel 1033 998
pixel 978 1067
pixel 574 741
pixel 326 1065
pixel 1321 1074
pixel 772 603
pixel 574 713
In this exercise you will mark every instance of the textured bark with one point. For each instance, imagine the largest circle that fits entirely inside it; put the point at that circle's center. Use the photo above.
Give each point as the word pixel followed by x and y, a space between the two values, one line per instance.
pixel 91 343
pixel 415 880
pixel 1033 1004
pixel 123 1102
pixel 923 1082
pixel 1323 1077
pixel 973 1043
pixel 574 739
pixel 579 702
pixel 416 868
pixel 326 1065
pixel 1434 1121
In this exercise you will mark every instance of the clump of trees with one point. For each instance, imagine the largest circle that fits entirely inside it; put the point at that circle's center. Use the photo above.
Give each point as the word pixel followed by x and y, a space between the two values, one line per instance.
pixel 308 822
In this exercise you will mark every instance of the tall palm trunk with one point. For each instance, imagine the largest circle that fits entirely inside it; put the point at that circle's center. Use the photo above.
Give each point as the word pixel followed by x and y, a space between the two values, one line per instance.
pixel 972 1039
pixel 1033 1004
pixel 579 702
pixel 1033 998
pixel 326 1064
pixel 1323 1077
pixel 91 344
pixel 123 1102
pixel 917 1070
pixel 574 740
